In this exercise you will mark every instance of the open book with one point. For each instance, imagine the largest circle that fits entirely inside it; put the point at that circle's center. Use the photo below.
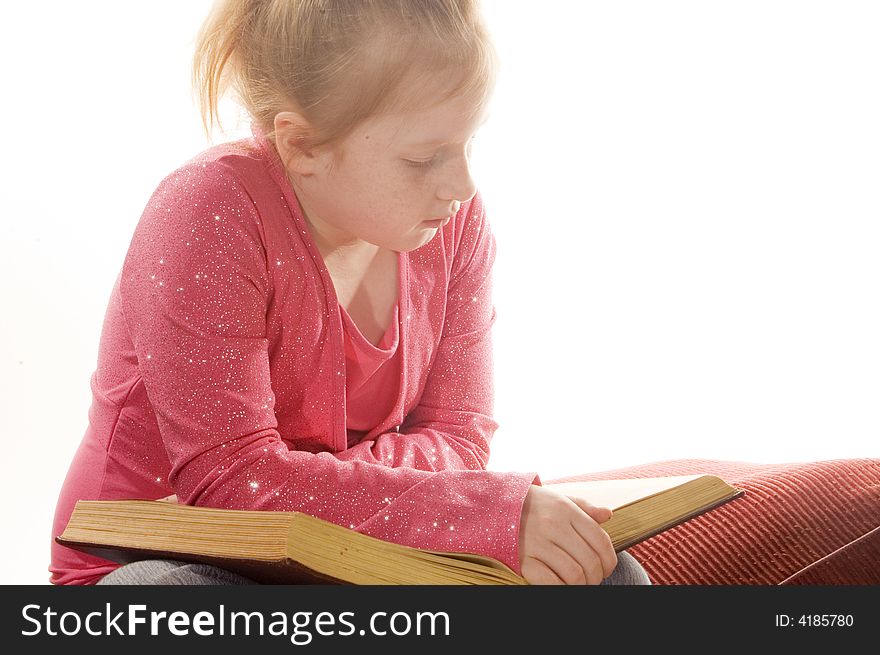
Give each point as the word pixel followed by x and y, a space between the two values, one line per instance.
pixel 292 547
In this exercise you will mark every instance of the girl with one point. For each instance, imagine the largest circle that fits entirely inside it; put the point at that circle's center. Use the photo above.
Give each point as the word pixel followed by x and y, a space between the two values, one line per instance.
pixel 302 321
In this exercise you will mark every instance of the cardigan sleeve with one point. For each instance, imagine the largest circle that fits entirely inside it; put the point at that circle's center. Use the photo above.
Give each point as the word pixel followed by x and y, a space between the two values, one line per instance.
pixel 195 289
pixel 452 425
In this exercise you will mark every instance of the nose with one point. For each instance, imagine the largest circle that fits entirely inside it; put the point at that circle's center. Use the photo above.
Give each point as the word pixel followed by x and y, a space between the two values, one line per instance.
pixel 458 186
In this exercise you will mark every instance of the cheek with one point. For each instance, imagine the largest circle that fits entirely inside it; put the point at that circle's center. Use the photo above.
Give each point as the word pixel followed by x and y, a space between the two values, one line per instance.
pixel 421 180
pixel 407 187
pixel 393 194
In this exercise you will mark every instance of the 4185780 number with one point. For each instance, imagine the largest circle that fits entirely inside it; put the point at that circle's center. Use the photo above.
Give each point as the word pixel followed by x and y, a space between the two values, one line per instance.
pixel 814 621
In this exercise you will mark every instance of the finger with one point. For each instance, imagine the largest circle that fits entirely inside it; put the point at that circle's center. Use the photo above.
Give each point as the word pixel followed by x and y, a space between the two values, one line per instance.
pixel 537 573
pixel 584 554
pixel 592 533
pixel 573 561
pixel 598 514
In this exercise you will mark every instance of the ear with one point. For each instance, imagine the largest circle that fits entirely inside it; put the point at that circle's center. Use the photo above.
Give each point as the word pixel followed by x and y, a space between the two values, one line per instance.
pixel 291 135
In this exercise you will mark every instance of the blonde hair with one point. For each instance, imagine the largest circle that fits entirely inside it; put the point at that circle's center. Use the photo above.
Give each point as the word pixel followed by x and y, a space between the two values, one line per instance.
pixel 340 62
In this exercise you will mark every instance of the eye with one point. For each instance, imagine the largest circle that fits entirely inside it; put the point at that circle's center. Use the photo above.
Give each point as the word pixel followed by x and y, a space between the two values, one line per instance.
pixel 433 160
pixel 419 164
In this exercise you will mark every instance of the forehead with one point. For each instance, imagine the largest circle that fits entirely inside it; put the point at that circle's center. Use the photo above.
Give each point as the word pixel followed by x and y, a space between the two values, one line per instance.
pixel 448 122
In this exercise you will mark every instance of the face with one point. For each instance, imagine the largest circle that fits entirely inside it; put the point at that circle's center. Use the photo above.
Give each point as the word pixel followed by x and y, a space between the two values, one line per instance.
pixel 398 171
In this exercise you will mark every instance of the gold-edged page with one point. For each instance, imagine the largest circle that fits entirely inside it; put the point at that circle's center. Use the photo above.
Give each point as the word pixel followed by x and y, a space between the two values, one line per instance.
pixel 362 559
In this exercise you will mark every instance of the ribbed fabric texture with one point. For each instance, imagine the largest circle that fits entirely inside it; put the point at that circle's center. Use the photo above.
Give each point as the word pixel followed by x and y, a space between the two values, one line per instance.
pixel 845 565
pixel 793 516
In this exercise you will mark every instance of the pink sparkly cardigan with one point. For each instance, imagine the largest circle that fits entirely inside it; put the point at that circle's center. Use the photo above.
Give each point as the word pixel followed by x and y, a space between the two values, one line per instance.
pixel 221 374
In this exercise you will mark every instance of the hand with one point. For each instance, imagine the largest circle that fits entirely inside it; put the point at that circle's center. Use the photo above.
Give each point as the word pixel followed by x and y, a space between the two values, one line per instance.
pixel 168 499
pixel 560 541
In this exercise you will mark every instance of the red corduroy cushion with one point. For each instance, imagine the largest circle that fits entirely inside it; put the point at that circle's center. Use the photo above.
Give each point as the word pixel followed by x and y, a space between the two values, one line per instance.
pixel 798 523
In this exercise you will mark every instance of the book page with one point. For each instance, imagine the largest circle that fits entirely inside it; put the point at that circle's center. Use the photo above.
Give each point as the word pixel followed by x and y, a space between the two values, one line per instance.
pixel 617 493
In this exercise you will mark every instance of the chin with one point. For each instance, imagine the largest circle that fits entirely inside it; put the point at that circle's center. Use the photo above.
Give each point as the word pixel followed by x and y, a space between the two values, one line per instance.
pixel 425 238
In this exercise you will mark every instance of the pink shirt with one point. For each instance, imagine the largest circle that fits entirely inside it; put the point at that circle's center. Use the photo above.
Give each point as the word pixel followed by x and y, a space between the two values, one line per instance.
pixel 371 376
pixel 228 375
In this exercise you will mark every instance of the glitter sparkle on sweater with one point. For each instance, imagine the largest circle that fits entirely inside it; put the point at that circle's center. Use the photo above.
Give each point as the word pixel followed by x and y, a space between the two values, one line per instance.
pixel 221 374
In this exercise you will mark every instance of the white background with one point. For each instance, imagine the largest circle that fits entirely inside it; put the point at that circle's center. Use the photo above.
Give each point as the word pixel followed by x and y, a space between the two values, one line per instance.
pixel 684 196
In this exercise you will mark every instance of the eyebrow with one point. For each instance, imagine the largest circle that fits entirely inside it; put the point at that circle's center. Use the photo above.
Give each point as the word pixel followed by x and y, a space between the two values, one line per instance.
pixel 440 142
